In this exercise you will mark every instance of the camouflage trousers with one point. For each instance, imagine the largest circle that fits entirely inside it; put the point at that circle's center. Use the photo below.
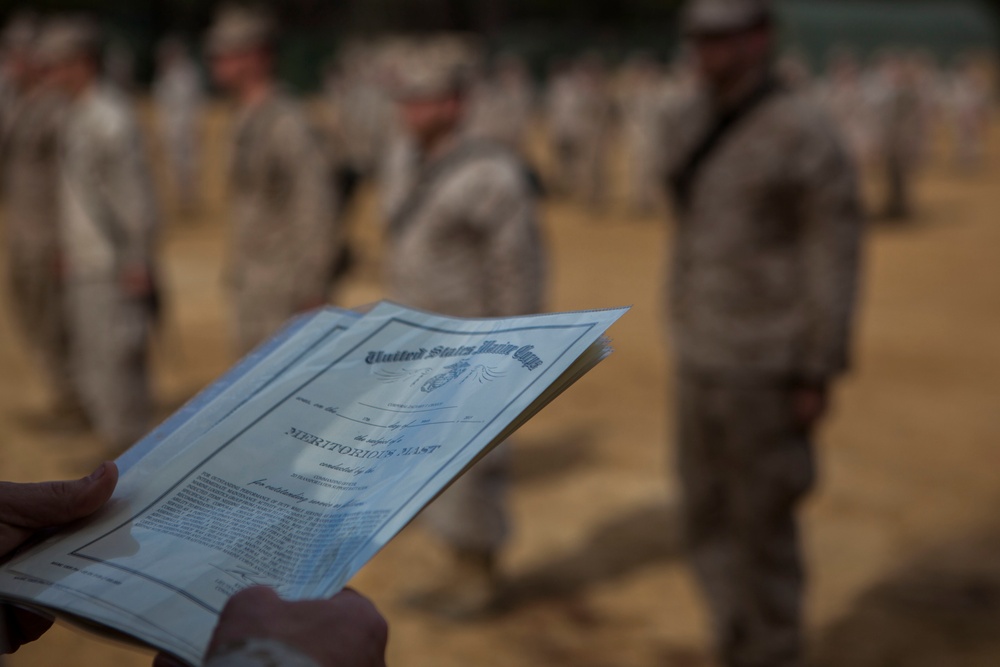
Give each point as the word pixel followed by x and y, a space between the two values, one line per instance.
pixel 581 169
pixel 899 185
pixel 38 304
pixel 472 514
pixel 180 138
pixel 644 186
pixel 110 336
pixel 744 466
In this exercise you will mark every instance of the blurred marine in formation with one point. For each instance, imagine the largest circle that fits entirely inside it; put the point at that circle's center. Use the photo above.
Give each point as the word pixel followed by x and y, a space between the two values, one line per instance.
pixel 363 108
pixel 108 224
pixel 465 241
pixel 180 97
pixel 970 102
pixel 642 98
pixel 283 201
pixel 764 277
pixel 579 125
pixel 16 42
pixel 901 130
pixel 843 93
pixel 30 176
pixel 502 104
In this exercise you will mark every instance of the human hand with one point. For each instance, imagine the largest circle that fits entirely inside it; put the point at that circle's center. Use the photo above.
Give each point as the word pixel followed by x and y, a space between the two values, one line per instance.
pixel 344 631
pixel 27 508
pixel 810 404
pixel 59 268
pixel 137 281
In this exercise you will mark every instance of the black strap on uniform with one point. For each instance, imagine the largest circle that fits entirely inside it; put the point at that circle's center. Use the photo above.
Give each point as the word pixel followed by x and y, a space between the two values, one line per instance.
pixel 421 192
pixel 683 180
pixel 266 117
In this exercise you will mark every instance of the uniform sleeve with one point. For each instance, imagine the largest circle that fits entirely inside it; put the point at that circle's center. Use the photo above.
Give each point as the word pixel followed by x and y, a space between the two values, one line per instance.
pixel 503 212
pixel 313 220
pixel 833 230
pixel 260 653
pixel 128 191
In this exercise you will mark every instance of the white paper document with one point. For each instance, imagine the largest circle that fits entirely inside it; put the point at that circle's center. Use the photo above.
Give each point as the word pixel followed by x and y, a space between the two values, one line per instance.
pixel 300 465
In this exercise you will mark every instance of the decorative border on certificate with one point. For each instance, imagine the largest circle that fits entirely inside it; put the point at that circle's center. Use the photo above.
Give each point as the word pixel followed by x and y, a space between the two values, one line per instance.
pixel 405 507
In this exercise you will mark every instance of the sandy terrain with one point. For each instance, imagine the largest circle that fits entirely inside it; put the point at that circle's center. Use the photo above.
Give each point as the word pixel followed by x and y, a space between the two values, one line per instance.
pixel 903 536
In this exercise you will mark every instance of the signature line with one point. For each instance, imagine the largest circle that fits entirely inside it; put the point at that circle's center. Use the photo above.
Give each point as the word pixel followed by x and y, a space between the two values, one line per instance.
pixel 411 425
pixel 375 407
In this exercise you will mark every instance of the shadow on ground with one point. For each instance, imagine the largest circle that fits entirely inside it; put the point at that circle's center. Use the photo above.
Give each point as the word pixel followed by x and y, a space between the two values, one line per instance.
pixel 647 536
pixel 538 460
pixel 943 609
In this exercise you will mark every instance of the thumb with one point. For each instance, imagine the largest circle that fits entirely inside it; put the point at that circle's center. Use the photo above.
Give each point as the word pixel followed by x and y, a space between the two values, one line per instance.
pixel 25 508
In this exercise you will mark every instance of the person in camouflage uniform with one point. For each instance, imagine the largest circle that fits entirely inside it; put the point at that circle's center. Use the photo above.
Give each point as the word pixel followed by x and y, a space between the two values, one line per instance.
pixel 502 104
pixel 364 112
pixel 968 101
pixel 642 96
pixel 902 134
pixel 463 241
pixel 108 221
pixel 15 65
pixel 30 174
pixel 579 124
pixel 283 204
pixel 843 94
pixel 180 99
pixel 763 290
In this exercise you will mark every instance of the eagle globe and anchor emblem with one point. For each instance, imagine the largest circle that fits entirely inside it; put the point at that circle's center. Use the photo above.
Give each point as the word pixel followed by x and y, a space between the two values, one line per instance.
pixel 460 371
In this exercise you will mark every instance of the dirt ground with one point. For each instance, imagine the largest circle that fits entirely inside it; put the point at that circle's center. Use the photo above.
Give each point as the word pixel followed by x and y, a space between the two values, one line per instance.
pixel 903 535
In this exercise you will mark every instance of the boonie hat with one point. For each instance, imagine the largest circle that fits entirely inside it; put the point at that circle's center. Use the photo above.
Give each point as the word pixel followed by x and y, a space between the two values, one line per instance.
pixel 65 38
pixel 708 17
pixel 434 68
pixel 237 29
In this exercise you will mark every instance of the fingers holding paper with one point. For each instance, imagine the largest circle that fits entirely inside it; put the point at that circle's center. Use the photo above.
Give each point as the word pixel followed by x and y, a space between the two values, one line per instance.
pixel 26 508
pixel 343 631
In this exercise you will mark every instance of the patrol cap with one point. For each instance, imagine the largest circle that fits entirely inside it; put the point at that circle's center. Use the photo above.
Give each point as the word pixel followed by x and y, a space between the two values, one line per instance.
pixel 237 28
pixel 20 33
pixel 434 68
pixel 719 17
pixel 66 38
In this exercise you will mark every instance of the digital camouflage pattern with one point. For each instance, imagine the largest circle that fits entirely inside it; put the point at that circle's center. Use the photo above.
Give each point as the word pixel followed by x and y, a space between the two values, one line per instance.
pixel 472 247
pixel 762 299
pixel 31 173
pixel 466 242
pixel 109 221
pixel 766 256
pixel 285 229
pixel 745 466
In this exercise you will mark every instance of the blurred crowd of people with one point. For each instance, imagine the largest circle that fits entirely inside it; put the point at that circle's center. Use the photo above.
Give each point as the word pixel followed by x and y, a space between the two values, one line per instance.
pixel 888 109
pixel 888 113
pixel 759 161
pixel 81 221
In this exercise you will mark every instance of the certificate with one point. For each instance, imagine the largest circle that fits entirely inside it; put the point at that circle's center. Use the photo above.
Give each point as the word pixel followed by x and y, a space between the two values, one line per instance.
pixel 296 469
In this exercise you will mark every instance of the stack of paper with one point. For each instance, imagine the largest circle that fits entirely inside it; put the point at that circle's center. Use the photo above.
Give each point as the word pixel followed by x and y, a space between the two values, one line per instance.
pixel 299 465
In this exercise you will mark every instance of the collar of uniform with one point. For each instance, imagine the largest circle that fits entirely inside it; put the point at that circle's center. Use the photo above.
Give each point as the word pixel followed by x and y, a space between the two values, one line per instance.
pixel 752 81
pixel 444 148
pixel 246 115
